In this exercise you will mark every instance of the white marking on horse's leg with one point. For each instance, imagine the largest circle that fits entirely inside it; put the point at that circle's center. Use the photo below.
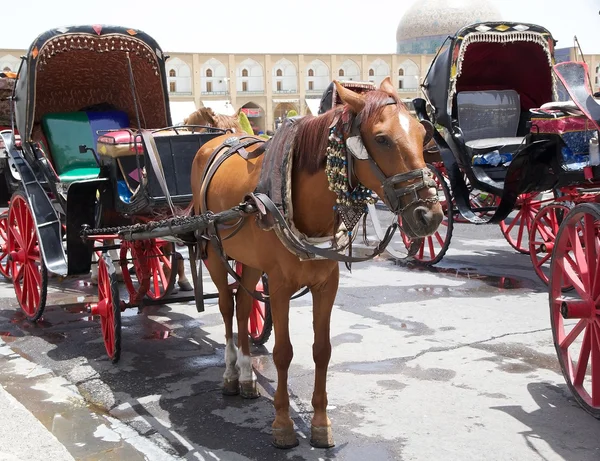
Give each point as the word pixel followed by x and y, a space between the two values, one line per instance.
pixel 244 364
pixel 231 371
pixel 404 121
pixel 116 259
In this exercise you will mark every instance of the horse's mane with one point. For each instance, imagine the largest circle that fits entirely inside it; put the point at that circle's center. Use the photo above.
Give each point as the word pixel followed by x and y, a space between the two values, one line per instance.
pixel 313 132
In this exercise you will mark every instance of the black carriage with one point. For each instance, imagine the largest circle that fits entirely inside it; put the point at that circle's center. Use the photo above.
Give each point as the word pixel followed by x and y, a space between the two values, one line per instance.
pixel 481 91
pixel 97 150
pixel 517 132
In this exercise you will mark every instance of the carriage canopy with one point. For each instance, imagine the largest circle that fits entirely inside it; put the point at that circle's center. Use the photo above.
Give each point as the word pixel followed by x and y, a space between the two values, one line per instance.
pixel 492 56
pixel 72 68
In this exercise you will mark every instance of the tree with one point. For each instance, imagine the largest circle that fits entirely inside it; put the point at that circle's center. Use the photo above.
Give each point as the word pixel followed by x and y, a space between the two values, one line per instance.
pixel 291 113
pixel 244 122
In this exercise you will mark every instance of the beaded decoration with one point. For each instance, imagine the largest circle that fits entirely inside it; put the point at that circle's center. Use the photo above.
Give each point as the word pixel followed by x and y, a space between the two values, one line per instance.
pixel 351 205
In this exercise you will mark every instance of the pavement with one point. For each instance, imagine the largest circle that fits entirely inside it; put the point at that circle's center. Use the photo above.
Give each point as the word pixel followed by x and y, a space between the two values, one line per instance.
pixel 450 363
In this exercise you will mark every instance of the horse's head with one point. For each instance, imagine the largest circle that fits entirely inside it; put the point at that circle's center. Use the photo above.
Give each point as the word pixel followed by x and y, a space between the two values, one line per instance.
pixel 204 116
pixel 386 146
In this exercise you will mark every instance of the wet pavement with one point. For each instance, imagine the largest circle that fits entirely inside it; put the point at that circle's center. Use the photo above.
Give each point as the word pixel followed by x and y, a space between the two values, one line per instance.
pixel 450 363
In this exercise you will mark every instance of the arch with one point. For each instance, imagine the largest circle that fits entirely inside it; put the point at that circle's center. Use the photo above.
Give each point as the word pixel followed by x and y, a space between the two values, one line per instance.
pixel 319 75
pixel 214 80
pixel 250 76
pixel 280 110
pixel 180 76
pixel 10 63
pixel 285 77
pixel 380 69
pixel 350 69
pixel 256 116
pixel 408 76
pixel 341 72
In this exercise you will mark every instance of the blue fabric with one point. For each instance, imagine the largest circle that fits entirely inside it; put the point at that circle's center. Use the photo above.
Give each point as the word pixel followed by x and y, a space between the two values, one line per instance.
pixel 124 193
pixel 110 120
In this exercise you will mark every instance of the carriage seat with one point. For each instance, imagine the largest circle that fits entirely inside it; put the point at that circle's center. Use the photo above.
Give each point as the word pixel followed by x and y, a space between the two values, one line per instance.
pixel 489 120
pixel 66 131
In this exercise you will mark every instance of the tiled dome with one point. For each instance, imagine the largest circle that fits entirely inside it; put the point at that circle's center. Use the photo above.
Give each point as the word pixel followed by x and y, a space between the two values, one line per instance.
pixel 427 23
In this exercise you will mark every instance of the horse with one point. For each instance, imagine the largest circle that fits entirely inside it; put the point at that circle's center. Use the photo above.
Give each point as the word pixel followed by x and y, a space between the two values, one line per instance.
pixel 391 156
pixel 207 117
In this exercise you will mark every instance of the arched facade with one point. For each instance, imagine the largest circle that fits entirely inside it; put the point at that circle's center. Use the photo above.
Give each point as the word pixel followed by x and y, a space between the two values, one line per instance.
pixel 214 77
pixel 317 72
pixel 8 62
pixel 349 70
pixel 179 76
pixel 285 77
pixel 378 70
pixel 250 77
pixel 408 76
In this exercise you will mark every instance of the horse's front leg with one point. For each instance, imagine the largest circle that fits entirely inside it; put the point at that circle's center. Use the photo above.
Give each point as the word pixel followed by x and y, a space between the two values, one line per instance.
pixel 323 299
pixel 284 435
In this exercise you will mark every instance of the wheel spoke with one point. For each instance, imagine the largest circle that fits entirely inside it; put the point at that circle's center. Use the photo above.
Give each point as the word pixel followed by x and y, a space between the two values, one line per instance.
pixel 573 334
pixel 584 355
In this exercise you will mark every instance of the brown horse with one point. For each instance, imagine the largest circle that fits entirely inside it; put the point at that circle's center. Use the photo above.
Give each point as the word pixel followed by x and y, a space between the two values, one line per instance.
pixel 207 117
pixel 393 151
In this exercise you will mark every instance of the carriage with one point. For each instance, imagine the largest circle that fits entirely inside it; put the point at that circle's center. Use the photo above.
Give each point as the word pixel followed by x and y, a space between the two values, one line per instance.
pixel 97 149
pixel 494 159
pixel 518 134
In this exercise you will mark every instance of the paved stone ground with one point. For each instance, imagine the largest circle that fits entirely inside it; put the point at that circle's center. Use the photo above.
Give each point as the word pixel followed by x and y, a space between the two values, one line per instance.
pixel 454 363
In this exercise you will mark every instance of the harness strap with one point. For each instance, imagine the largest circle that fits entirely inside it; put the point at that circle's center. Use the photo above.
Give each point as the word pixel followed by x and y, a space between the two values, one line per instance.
pixel 234 144
pixel 307 248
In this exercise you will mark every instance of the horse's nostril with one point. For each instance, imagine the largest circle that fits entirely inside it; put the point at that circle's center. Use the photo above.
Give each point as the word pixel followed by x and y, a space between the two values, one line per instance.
pixel 421 215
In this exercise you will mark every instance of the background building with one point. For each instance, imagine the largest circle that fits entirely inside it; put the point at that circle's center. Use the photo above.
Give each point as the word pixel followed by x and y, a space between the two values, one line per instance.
pixel 267 86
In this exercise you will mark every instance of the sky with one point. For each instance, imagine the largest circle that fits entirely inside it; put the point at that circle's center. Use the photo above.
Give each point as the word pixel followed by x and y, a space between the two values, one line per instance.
pixel 277 26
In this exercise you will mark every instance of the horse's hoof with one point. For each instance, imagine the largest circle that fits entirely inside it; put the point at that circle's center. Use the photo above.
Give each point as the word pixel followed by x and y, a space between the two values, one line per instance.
pixel 185 286
pixel 284 438
pixel 248 390
pixel 231 387
pixel 321 437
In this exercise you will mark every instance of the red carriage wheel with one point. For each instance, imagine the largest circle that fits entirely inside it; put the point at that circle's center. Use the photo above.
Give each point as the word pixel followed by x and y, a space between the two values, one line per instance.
pixel 433 248
pixel 542 237
pixel 108 307
pixel 575 315
pixel 516 230
pixel 260 322
pixel 159 256
pixel 29 274
pixel 4 259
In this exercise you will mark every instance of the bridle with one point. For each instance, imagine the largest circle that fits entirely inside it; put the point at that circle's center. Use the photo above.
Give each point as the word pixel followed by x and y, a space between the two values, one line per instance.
pixel 423 176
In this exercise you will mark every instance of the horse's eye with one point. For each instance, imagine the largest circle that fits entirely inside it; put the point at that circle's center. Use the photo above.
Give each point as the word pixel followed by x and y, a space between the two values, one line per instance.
pixel 380 139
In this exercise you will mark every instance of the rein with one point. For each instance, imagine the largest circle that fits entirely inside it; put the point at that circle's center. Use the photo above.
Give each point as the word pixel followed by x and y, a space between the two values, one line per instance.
pixel 351 203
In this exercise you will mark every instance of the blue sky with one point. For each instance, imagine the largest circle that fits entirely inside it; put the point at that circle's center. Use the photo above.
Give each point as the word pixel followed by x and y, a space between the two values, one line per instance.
pixel 282 26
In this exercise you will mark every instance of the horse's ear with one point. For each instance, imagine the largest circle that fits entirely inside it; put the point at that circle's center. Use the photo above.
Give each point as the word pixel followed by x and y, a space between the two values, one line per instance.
pixel 210 116
pixel 353 99
pixel 387 86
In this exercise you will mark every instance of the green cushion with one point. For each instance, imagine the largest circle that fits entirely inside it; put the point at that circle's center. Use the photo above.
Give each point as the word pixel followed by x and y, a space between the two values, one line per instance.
pixel 65 132
pixel 79 174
